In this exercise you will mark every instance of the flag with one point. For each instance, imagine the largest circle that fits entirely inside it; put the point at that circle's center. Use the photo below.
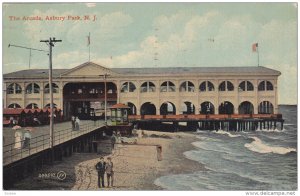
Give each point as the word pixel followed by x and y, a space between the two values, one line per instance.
pixel 89 40
pixel 254 47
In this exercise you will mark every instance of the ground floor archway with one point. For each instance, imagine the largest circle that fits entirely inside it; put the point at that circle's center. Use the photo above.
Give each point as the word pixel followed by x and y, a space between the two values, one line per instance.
pixel 87 99
pixel 167 108
pixel 132 108
pixel 246 107
pixel 226 108
pixel 148 108
pixel 207 108
pixel 265 107
pixel 188 108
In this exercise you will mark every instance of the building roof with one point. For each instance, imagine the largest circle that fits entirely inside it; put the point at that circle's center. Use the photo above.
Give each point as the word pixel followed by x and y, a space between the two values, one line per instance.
pixel 29 73
pixel 43 73
pixel 196 70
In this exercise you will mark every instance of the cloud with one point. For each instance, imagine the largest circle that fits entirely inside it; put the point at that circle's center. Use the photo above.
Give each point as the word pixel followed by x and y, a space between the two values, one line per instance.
pixel 90 4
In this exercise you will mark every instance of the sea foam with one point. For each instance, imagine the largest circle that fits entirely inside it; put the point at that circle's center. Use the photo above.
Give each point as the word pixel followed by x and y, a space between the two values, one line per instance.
pixel 226 133
pixel 258 146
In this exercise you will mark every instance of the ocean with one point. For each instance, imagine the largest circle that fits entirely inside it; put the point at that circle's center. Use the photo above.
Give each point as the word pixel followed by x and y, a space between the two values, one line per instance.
pixel 260 160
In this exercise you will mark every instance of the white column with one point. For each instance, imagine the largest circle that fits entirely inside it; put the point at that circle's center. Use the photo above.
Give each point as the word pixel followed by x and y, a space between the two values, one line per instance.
pixel 178 98
pixel 255 84
pixel 138 106
pixel 276 97
pixel 118 90
pixel 236 101
pixel 197 107
pixel 61 98
pixel 24 94
pixel 218 97
pixel 158 97
pixel 42 96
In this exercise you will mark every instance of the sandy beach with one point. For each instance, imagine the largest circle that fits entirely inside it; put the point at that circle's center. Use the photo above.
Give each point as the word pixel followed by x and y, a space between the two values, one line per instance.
pixel 136 166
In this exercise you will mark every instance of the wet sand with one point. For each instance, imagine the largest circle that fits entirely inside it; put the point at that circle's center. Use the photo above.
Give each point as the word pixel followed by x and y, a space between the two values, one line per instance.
pixel 136 166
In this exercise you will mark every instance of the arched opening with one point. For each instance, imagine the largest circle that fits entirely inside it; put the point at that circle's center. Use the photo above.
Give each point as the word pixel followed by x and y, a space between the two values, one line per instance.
pixel 207 108
pixel 147 87
pixel 132 108
pixel 87 99
pixel 226 86
pixel 188 108
pixel 187 86
pixel 148 109
pixel 14 106
pixel 32 88
pixel 48 105
pixel 246 107
pixel 55 88
pixel 265 85
pixel 246 86
pixel 167 86
pixel 226 108
pixel 206 86
pixel 14 88
pixel 127 87
pixel 265 107
pixel 167 108
pixel 32 106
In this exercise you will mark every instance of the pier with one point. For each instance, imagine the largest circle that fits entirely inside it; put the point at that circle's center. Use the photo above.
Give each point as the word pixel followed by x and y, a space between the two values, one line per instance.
pixel 226 122
pixel 19 163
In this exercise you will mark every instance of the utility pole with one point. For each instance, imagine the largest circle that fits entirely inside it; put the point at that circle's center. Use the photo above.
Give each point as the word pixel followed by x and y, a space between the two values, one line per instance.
pixel 51 42
pixel 105 97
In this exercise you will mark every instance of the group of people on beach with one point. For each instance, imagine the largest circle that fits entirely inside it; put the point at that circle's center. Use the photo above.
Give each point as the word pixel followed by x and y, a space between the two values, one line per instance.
pixel 103 167
pixel 75 123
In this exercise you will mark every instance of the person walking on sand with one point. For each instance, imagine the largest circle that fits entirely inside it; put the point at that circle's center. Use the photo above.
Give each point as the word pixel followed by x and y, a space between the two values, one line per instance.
pixel 77 121
pixel 113 140
pixel 100 167
pixel 109 172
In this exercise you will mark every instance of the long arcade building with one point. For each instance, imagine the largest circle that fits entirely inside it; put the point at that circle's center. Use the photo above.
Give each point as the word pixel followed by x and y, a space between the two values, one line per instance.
pixel 178 90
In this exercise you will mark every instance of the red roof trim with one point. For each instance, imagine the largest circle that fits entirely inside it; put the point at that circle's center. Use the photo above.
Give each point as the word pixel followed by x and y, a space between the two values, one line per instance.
pixel 119 105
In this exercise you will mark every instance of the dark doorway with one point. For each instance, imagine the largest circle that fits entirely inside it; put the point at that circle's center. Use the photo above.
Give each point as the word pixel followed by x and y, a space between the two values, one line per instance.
pixel 207 108
pixel 132 110
pixel 188 108
pixel 87 99
pixel 226 108
pixel 246 108
pixel 148 109
pixel 167 108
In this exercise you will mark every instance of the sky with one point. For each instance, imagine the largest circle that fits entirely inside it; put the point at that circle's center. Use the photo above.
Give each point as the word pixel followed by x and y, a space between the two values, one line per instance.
pixel 156 35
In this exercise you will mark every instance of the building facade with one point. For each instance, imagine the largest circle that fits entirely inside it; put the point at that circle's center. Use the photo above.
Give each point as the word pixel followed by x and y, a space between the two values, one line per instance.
pixel 185 90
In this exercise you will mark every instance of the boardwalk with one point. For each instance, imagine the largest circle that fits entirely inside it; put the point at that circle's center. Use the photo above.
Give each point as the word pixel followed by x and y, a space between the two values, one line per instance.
pixel 40 138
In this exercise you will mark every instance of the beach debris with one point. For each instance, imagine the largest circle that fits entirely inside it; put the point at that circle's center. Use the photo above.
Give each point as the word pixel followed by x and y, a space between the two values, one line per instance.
pixel 160 136
pixel 126 140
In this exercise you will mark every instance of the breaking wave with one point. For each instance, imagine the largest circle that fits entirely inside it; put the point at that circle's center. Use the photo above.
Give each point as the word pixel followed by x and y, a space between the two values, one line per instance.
pixel 258 146
pixel 226 133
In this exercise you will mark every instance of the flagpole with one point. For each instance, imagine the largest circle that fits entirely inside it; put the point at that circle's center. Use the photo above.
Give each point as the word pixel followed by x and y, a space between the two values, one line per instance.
pixel 89 47
pixel 257 55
